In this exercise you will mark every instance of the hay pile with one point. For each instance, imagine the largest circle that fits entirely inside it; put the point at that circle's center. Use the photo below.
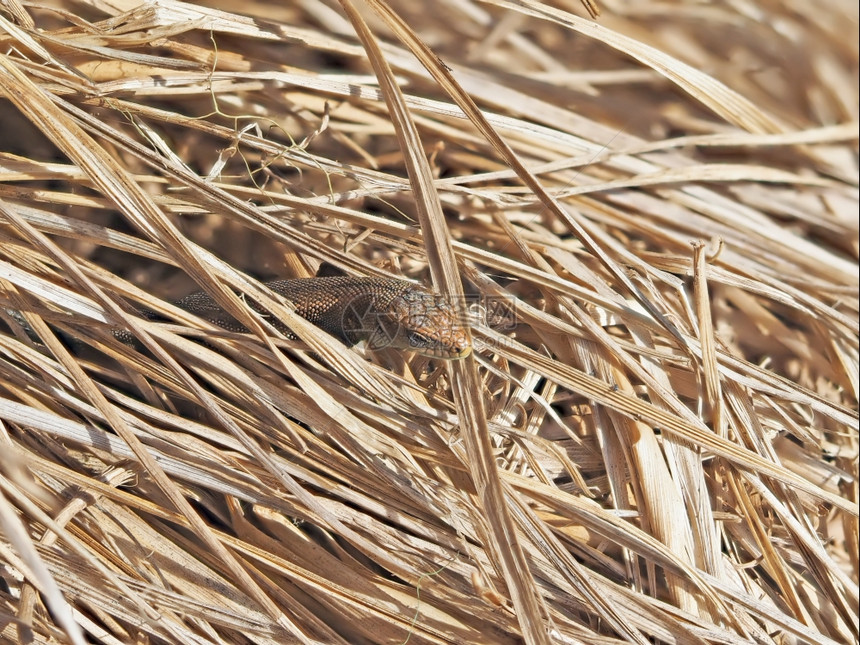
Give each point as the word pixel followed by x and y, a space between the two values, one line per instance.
pixel 655 216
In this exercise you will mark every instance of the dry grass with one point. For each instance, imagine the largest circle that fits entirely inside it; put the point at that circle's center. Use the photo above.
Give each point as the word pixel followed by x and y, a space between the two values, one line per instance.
pixel 657 439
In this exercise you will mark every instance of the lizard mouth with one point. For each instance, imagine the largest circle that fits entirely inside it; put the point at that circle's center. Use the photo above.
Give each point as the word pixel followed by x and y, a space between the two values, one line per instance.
pixel 446 353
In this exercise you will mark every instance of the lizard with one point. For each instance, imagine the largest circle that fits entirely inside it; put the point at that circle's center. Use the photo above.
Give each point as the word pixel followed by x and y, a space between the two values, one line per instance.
pixel 383 312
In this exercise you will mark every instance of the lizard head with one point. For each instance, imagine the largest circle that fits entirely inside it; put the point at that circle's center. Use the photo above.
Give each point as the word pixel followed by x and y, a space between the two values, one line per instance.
pixel 423 322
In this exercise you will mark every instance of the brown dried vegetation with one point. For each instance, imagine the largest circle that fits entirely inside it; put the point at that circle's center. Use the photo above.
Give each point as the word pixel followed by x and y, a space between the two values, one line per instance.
pixel 655 442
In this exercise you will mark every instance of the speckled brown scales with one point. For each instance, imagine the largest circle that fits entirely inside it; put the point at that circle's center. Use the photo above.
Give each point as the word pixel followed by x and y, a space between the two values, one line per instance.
pixel 384 312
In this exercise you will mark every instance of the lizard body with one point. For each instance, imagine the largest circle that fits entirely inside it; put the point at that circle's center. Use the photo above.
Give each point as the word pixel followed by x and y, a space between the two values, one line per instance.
pixel 384 312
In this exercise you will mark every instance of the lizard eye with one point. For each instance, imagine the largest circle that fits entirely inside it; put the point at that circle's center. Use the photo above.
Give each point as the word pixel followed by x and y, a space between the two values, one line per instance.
pixel 417 339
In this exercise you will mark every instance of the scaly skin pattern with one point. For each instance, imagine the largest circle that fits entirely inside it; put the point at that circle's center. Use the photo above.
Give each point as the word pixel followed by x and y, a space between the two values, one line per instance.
pixel 384 312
